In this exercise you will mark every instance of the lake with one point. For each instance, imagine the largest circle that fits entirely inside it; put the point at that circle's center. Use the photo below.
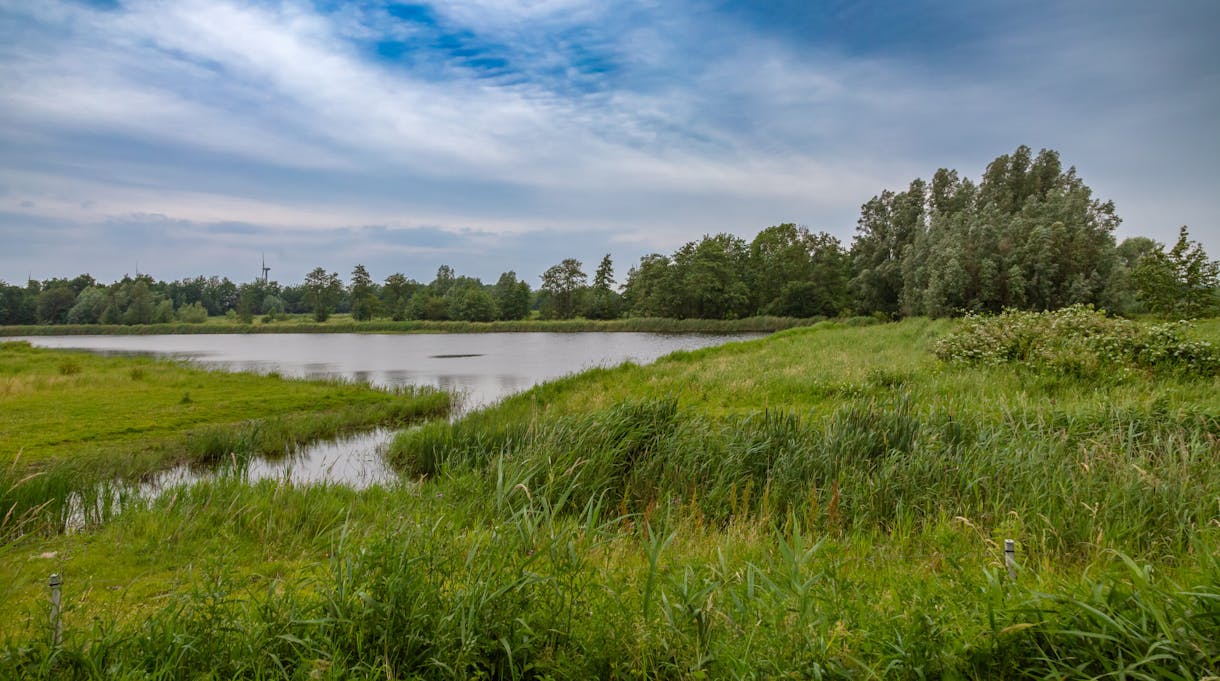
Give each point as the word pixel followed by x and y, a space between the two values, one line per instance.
pixel 480 368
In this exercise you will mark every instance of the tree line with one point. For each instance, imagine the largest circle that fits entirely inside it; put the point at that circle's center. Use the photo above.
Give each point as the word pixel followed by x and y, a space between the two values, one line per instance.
pixel 1028 235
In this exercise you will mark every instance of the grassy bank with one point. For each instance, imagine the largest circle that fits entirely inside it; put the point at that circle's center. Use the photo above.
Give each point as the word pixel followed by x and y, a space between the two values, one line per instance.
pixel 72 419
pixel 827 502
pixel 344 324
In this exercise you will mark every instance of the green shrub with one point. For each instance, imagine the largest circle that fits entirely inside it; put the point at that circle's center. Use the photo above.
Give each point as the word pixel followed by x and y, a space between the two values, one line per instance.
pixel 195 313
pixel 1077 341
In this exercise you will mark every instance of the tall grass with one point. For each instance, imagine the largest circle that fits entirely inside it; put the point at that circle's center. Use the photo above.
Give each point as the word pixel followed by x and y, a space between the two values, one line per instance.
pixel 531 591
pixel 1065 485
pixel 840 517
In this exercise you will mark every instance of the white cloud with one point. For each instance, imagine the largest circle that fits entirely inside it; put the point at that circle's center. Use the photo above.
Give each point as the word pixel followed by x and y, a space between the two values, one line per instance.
pixel 697 126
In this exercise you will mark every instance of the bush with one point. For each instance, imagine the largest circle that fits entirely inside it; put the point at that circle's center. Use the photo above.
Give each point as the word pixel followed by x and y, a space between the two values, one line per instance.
pixel 1077 341
pixel 195 313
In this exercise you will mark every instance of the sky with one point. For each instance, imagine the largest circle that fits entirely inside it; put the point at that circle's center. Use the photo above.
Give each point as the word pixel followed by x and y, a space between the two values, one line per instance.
pixel 202 136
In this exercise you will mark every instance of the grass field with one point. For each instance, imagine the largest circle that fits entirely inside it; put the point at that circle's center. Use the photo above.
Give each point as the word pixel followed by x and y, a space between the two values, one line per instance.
pixel 826 502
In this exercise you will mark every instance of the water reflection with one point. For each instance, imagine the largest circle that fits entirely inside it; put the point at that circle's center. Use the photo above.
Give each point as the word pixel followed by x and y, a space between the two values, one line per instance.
pixel 479 368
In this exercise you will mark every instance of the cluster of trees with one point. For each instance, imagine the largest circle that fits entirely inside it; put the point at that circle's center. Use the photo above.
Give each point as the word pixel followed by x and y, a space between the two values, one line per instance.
pixel 785 271
pixel 142 300
pixel 1029 235
pixel 447 297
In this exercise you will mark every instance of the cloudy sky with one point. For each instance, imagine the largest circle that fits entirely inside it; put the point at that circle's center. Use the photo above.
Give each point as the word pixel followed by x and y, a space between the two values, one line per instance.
pixel 194 136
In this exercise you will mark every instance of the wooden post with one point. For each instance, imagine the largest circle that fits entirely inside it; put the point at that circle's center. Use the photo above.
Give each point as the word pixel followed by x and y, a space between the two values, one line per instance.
pixel 1010 558
pixel 57 624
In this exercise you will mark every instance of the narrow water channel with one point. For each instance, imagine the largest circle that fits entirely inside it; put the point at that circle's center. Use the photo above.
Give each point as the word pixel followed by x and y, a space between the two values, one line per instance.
pixel 480 368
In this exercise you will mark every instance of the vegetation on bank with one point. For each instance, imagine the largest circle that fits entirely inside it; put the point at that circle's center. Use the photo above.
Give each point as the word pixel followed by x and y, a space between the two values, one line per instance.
pixel 827 502
pixel 344 324
pixel 74 419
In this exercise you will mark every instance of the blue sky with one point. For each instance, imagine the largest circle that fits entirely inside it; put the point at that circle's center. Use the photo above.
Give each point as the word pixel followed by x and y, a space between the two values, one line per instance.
pixel 194 136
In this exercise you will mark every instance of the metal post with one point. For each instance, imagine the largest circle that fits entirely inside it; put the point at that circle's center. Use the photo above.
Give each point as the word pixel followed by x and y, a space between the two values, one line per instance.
pixel 57 624
pixel 1010 558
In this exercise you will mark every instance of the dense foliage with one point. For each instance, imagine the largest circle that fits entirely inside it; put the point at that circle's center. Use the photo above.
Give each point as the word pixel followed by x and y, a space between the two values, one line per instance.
pixel 1078 341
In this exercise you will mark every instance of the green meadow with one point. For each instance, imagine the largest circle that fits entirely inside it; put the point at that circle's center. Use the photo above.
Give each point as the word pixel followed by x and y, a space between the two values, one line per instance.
pixel 73 420
pixel 830 501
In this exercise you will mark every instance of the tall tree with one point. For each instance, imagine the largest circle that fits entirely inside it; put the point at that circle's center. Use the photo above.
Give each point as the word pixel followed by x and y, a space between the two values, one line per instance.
pixel 648 292
pixel 141 307
pixel 363 295
pixel 396 292
pixel 512 297
pixel 603 302
pixel 889 223
pixel 708 278
pixel 562 285
pixel 469 301
pixel 54 304
pixel 1181 282
pixel 322 291
pixel 779 255
pixel 1029 236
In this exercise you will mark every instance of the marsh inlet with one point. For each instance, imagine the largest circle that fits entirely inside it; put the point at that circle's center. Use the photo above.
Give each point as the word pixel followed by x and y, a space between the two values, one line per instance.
pixel 493 367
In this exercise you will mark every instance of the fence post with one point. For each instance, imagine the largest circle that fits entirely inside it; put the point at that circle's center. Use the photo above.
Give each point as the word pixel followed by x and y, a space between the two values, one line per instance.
pixel 57 624
pixel 1010 558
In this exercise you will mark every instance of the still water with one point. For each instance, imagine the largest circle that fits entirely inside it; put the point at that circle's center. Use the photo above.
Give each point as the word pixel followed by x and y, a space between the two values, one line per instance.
pixel 480 368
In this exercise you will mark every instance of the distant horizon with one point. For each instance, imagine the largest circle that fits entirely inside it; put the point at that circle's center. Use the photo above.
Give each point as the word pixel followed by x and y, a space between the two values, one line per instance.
pixel 194 137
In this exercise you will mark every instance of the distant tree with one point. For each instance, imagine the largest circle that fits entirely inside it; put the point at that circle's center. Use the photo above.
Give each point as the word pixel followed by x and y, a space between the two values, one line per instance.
pixel 708 279
pixel 111 313
pixel 444 280
pixel 363 295
pixel 17 305
pixel 603 302
pixel 649 291
pixel 779 255
pixel 248 303
pixel 562 285
pixel 141 307
pixel 163 313
pixel 1180 282
pixel 273 308
pixel 194 313
pixel 322 291
pixel 469 301
pixel 1122 292
pixel 54 304
pixel 1133 248
pixel 89 306
pixel 396 292
pixel 426 305
pixel 512 297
